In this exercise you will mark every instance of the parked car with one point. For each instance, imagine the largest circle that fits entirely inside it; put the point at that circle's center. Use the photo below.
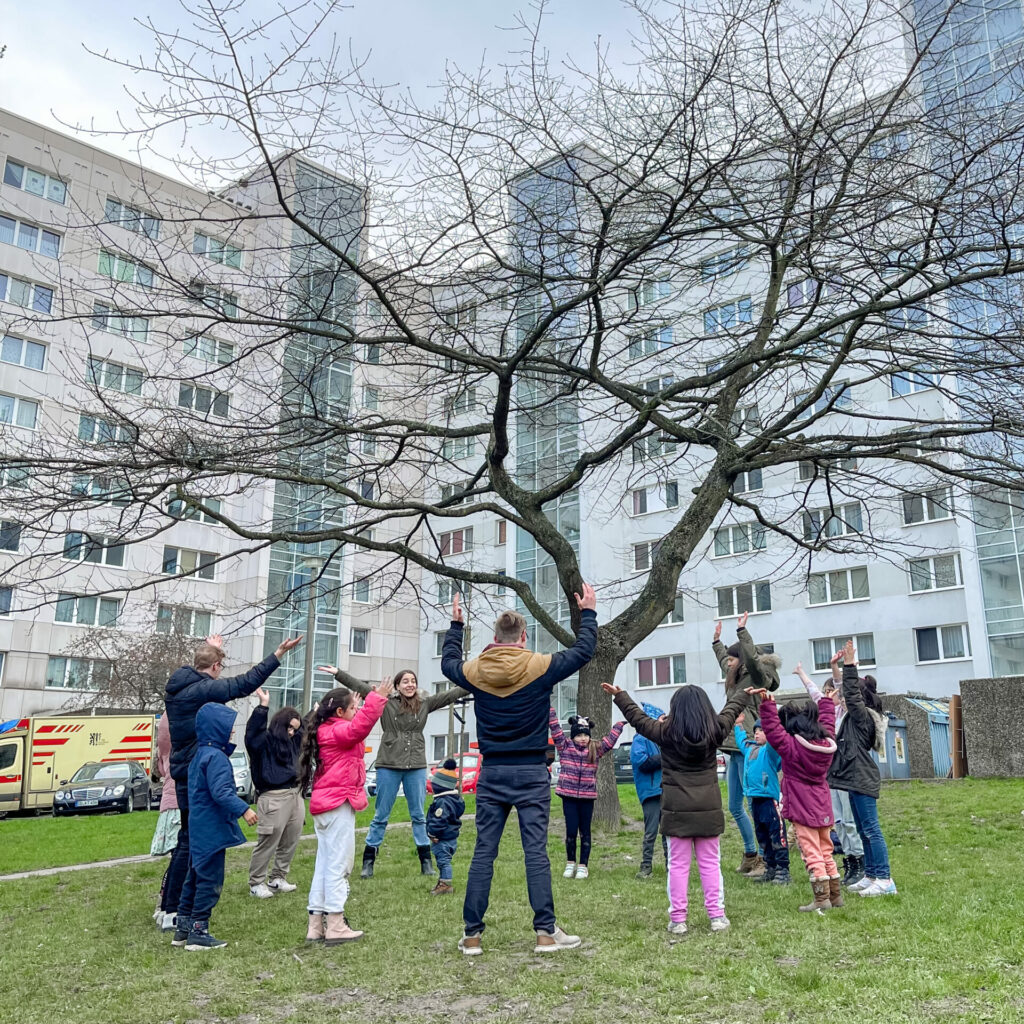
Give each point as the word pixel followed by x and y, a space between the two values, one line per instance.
pixel 371 780
pixel 720 765
pixel 471 761
pixel 623 766
pixel 121 786
pixel 243 776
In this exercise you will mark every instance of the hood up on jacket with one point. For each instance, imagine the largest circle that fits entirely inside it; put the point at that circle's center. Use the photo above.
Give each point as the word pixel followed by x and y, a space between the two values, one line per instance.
pixel 769 664
pixel 214 723
pixel 504 669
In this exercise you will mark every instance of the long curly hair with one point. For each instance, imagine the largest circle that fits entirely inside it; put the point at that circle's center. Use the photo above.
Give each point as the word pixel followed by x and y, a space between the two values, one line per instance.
pixel 338 699
pixel 407 705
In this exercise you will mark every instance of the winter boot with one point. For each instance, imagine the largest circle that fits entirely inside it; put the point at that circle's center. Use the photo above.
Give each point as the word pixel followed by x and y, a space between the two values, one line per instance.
pixel 835 892
pixel 846 869
pixel 645 871
pixel 199 938
pixel 338 931
pixel 749 861
pixel 758 868
pixel 856 871
pixel 369 856
pixel 426 866
pixel 768 876
pixel 315 931
pixel 821 901
pixel 781 877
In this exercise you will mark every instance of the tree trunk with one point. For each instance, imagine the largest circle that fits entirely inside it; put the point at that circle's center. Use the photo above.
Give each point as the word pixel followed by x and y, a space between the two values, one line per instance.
pixel 593 702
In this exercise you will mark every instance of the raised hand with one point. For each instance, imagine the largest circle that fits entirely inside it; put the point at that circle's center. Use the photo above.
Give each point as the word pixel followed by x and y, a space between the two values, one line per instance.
pixel 718 631
pixel 385 687
pixel 741 622
pixel 589 598
pixel 757 692
pixel 610 689
pixel 740 717
pixel 849 653
pixel 215 640
pixel 332 669
pixel 264 697
pixel 457 615
pixel 287 645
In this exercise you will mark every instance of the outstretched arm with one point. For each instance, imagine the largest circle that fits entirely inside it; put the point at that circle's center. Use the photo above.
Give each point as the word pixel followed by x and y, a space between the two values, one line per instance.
pixel 652 728
pixel 565 663
pixel 445 697
pixel 809 684
pixel 610 740
pixel 360 686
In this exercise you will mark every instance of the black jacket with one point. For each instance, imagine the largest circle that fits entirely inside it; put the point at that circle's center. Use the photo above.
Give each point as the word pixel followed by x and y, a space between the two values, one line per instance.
pixel 188 690
pixel 273 765
pixel 444 819
pixel 853 767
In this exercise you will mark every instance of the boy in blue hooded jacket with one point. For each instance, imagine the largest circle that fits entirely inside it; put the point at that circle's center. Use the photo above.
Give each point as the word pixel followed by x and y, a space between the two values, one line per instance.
pixel 214 809
pixel 645 757
pixel 761 764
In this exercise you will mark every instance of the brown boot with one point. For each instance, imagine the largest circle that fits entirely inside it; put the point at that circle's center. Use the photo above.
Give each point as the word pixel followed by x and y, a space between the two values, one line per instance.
pixel 821 901
pixel 315 931
pixel 835 892
pixel 338 931
pixel 442 888
pixel 758 869
pixel 749 860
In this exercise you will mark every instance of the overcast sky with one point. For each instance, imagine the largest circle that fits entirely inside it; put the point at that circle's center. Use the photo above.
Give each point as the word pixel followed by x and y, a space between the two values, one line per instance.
pixel 48 76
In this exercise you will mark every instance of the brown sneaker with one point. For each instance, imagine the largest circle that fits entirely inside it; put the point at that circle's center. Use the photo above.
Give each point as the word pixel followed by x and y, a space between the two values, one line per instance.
pixel 749 860
pixel 315 931
pixel 835 892
pixel 758 868
pixel 554 941
pixel 471 945
pixel 442 889
pixel 821 901
pixel 338 931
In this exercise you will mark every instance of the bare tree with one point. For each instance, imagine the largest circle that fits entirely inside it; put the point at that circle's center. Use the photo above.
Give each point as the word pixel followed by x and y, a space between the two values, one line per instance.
pixel 720 262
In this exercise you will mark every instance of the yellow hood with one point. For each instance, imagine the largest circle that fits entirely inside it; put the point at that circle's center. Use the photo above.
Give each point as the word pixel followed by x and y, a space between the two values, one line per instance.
pixel 503 671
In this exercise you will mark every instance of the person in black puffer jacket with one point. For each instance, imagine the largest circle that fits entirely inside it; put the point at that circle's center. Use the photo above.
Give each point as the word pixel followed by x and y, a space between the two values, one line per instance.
pixel 188 689
pixel 274 760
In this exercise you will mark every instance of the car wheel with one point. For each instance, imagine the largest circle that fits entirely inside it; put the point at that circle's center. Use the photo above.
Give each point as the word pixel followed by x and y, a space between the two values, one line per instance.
pixel 129 804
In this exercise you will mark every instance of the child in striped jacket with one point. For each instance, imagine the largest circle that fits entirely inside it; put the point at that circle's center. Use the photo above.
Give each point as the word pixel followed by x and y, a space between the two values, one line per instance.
pixel 577 783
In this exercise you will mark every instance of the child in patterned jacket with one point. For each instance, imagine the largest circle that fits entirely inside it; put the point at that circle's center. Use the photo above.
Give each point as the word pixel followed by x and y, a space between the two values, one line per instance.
pixel 577 784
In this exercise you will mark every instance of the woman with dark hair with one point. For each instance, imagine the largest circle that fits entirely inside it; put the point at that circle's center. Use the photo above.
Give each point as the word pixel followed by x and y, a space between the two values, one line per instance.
pixel 401 760
pixel 274 761
pixel 854 770
pixel 691 801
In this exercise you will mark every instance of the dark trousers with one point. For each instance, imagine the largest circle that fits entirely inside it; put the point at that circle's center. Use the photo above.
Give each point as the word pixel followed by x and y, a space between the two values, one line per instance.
pixel 499 788
pixel 578 816
pixel 652 819
pixel 202 888
pixel 771 831
pixel 177 870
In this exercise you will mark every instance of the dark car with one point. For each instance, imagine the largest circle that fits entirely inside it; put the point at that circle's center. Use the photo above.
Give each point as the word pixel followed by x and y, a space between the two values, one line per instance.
pixel 121 786
pixel 623 767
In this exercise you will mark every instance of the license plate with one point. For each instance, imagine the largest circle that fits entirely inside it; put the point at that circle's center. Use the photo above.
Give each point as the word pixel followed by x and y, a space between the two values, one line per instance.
pixel 87 803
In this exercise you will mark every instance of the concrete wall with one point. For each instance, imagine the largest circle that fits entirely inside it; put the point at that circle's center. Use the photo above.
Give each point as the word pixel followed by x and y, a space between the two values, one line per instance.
pixel 919 740
pixel 994 726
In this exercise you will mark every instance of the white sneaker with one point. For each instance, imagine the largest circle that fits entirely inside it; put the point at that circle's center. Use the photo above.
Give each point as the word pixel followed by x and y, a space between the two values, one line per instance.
pixel 261 891
pixel 281 885
pixel 570 870
pixel 168 922
pixel 582 872
pixel 677 928
pixel 861 885
pixel 719 924
pixel 881 887
pixel 553 942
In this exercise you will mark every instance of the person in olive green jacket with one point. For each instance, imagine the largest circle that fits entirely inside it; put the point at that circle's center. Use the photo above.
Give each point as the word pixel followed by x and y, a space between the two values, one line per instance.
pixel 402 759
pixel 744 665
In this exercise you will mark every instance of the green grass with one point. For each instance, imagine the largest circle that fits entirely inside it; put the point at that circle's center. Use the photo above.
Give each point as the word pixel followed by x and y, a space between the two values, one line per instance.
pixel 80 946
pixel 27 844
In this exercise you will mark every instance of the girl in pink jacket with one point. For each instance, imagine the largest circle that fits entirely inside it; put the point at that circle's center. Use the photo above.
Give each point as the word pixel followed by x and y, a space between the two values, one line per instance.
pixel 332 758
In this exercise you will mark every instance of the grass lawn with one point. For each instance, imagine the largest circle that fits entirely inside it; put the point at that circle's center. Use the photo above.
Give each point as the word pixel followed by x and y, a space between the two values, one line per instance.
pixel 80 947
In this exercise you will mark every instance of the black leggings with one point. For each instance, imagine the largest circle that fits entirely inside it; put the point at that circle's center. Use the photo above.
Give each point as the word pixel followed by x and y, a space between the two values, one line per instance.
pixel 578 816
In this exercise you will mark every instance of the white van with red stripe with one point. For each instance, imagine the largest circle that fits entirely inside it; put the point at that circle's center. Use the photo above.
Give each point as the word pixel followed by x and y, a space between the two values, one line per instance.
pixel 37 755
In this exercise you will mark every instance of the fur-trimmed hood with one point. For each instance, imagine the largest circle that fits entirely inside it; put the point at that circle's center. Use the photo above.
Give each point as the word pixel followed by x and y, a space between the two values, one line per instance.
pixel 825 746
pixel 881 728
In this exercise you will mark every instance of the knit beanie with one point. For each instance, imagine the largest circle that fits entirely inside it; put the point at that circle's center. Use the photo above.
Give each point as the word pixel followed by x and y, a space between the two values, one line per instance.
pixel 579 726
pixel 446 776
pixel 757 723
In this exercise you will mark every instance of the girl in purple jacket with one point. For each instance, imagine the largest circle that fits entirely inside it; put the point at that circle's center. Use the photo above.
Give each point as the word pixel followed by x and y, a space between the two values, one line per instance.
pixel 577 783
pixel 804 737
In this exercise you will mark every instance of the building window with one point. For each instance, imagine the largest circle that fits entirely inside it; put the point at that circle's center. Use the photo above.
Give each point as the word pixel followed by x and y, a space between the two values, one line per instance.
pixel 217 299
pixel 650 292
pixel 186 562
pixel 667 671
pixel 94 430
pixel 209 349
pixel 840 521
pixel 439 636
pixel 456 448
pixel 35 182
pixel 823 467
pixel 83 610
pixel 657 339
pixel 10 535
pixel 909 382
pixel 216 250
pixel 19 352
pixel 361 591
pixel 102 488
pixel 366 490
pixel 751 480
pixel 835 396
pixel 78 673
pixel 18 477
pixel 103 374
pixel 746 597
pixel 6 600
pixel 502 526
pixel 639 501
pixel 204 401
pixel 81 547
pixel 671 494
pixel 132 218
pixel 176 618
pixel 729 315
pixel 440 745
pixel 809 290
pixel 942 643
pixel 461 404
pixel 181 509
pixel 823 650
pixel 106 318
pixel 29 237
pixel 25 294
pixel 19 412
pixel 927 507
pixel 457 541
pixel 940 572
pixel 121 268
pixel 371 354
pixel 653 446
pixel 371 398
pixel 360 642
pixel 675 616
pixel 724 263
pixel 645 554
pixel 741 539
pixel 837 586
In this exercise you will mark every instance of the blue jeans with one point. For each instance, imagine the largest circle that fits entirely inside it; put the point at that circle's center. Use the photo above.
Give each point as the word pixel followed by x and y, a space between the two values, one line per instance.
pixel 443 851
pixel 734 781
pixel 414 785
pixel 202 887
pixel 499 788
pixel 876 853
